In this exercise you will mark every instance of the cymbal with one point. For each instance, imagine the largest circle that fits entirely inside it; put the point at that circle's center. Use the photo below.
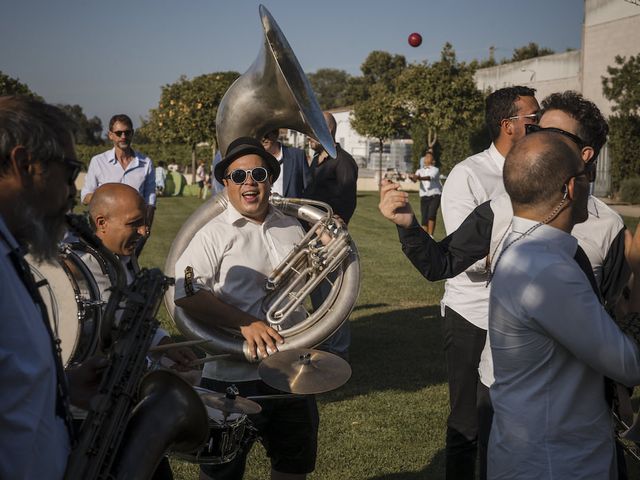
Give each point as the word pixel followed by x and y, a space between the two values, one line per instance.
pixel 227 403
pixel 304 371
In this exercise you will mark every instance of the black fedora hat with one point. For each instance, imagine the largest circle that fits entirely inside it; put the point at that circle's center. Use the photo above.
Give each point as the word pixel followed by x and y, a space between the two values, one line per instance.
pixel 246 146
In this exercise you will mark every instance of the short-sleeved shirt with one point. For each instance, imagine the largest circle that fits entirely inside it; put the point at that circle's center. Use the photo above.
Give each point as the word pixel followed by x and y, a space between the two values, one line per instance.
pixel 139 174
pixel 429 188
pixel 232 256
pixel 34 442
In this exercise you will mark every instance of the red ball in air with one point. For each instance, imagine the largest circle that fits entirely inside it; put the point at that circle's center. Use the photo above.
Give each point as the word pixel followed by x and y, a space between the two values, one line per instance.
pixel 415 39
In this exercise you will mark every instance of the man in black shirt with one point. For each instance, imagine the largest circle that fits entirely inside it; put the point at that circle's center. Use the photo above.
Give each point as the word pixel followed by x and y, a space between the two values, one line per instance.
pixel 333 181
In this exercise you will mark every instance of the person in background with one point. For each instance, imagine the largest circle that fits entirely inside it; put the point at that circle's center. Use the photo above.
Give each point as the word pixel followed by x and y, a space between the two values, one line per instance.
pixel 430 191
pixel 161 176
pixel 122 164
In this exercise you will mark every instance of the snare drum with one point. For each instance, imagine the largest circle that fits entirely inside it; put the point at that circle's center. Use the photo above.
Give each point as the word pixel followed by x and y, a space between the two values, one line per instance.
pixel 226 437
pixel 72 299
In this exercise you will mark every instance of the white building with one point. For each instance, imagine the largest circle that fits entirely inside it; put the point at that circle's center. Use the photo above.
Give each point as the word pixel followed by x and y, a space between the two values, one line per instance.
pixel 611 27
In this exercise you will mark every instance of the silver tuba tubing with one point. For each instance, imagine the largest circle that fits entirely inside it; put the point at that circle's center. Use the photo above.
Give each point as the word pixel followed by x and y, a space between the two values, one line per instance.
pixel 308 264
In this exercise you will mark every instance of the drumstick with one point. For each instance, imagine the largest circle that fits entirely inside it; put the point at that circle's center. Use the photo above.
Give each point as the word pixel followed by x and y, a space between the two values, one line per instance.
pixel 213 358
pixel 169 346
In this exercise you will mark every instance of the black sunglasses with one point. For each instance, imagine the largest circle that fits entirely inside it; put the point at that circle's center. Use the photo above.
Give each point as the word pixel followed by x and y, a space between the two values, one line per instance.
pixel 120 133
pixel 239 176
pixel 532 127
pixel 73 166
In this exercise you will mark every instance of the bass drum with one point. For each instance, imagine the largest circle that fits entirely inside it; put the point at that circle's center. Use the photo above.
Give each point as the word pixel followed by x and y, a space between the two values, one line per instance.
pixel 72 299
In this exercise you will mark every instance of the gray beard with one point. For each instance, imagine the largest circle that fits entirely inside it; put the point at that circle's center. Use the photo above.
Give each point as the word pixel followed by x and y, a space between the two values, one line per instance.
pixel 42 234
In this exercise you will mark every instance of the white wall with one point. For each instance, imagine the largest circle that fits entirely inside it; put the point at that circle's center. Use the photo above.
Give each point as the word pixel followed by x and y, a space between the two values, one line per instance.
pixel 612 27
pixel 548 74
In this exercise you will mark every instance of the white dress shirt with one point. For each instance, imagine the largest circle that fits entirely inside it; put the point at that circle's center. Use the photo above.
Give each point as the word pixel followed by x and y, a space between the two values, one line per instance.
pixel 429 188
pixel 232 256
pixel 278 185
pixel 471 183
pixel 34 443
pixel 139 174
pixel 552 344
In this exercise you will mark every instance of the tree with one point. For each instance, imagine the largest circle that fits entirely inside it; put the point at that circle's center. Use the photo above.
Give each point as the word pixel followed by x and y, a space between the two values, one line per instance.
pixel 442 97
pixel 187 111
pixel 329 85
pixel 532 50
pixel 13 86
pixel 87 131
pixel 622 86
pixel 380 117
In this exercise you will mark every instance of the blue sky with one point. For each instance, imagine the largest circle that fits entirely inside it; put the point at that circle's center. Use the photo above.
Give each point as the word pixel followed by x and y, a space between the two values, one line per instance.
pixel 113 57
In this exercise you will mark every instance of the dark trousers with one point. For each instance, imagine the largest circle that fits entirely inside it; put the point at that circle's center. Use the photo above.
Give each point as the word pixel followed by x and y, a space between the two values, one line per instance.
pixel 463 344
pixel 485 417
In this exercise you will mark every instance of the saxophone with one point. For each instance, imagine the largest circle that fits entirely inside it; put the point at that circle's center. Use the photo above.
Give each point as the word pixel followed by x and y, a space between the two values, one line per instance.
pixel 121 438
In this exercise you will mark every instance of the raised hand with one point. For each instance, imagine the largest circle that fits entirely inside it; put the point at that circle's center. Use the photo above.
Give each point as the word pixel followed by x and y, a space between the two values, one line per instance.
pixel 394 204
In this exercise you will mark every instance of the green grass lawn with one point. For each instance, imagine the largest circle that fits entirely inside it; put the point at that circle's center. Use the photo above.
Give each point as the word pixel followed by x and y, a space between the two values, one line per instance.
pixel 388 421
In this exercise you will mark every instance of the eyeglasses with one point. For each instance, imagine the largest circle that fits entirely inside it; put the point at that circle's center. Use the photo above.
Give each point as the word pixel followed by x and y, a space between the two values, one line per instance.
pixel 120 133
pixel 239 176
pixel 535 117
pixel 73 166
pixel 531 128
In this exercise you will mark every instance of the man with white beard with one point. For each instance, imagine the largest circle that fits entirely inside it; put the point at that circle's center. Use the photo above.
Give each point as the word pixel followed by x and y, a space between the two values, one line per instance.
pixel 38 167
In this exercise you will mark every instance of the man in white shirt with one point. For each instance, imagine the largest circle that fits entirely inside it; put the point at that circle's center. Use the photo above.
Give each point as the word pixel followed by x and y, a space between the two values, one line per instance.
pixel 464 307
pixel 220 278
pixel 552 341
pixel 122 164
pixel 430 191
pixel 602 236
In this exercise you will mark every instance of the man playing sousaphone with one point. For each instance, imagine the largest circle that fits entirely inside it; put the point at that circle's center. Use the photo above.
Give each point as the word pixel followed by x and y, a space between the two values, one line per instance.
pixel 220 278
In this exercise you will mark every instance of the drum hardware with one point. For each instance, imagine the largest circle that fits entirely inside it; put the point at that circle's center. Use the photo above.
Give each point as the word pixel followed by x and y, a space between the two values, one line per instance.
pixel 304 371
pixel 229 432
pixel 230 402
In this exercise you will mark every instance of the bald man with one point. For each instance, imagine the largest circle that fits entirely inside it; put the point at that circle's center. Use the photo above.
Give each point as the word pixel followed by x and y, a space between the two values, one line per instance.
pixel 552 341
pixel 118 217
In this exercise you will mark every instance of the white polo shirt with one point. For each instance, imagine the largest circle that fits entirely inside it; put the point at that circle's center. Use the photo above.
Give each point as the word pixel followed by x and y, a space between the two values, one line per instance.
pixel 471 183
pixel 232 256
pixel 429 188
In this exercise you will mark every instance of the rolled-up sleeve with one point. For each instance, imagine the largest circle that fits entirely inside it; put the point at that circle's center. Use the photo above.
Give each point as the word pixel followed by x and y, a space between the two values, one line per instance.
pixel 90 179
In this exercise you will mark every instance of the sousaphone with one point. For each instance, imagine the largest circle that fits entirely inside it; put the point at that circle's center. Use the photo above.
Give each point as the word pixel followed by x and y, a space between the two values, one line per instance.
pixel 275 93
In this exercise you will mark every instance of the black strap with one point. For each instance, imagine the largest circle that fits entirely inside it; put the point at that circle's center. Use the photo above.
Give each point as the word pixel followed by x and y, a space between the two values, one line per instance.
pixel 585 265
pixel 62 388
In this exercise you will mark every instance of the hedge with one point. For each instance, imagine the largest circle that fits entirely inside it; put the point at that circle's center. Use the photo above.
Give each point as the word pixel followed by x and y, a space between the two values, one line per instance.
pixel 624 148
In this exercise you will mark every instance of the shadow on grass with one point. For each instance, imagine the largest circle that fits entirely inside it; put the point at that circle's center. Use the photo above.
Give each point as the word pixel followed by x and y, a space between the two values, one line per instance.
pixel 435 469
pixel 396 350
